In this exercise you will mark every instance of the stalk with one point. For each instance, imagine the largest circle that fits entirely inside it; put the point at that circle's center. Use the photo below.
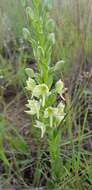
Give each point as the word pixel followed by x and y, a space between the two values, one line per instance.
pixel 54 149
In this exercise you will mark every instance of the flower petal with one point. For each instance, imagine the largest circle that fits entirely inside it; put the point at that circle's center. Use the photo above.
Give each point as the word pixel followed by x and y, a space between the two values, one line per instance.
pixel 34 107
pixel 41 126
pixel 30 84
pixel 59 86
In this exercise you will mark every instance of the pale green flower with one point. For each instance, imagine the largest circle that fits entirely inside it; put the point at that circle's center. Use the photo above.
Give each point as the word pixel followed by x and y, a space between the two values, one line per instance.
pixel 60 114
pixel 59 86
pixel 61 108
pixel 41 90
pixel 41 126
pixel 55 113
pixel 34 107
pixel 30 84
pixel 50 113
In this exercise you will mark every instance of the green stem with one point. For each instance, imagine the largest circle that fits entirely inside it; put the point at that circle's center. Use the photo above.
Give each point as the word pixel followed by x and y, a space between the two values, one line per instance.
pixel 43 101
pixel 54 148
pixel 51 121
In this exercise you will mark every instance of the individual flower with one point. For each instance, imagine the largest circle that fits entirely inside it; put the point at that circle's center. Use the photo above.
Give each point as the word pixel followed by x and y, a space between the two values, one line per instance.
pixel 55 113
pixel 41 90
pixel 61 108
pixel 34 107
pixel 50 113
pixel 59 86
pixel 30 84
pixel 60 114
pixel 41 126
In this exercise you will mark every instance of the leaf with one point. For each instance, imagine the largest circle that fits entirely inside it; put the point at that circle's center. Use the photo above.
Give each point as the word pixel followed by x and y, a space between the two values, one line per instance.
pixel 50 81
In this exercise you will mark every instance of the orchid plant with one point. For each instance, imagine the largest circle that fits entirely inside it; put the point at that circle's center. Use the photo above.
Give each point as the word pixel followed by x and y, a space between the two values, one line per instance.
pixel 42 103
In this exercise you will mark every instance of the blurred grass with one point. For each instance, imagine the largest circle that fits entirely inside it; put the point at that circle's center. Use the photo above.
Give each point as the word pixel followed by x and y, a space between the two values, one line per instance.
pixel 12 19
pixel 74 29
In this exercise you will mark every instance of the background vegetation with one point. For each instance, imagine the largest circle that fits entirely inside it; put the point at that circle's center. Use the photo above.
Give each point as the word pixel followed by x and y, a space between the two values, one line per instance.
pixel 23 159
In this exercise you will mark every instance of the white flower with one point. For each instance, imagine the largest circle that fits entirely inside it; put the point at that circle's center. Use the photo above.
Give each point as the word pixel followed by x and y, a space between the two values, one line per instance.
pixel 41 126
pixel 59 86
pixel 34 107
pixel 60 114
pixel 41 90
pixel 30 84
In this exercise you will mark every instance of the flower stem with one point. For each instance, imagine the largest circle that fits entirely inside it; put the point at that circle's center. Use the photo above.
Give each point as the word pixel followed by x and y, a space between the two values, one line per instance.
pixel 43 101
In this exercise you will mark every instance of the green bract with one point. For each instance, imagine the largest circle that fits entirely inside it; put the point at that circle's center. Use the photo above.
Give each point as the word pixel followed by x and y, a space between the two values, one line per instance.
pixel 50 113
